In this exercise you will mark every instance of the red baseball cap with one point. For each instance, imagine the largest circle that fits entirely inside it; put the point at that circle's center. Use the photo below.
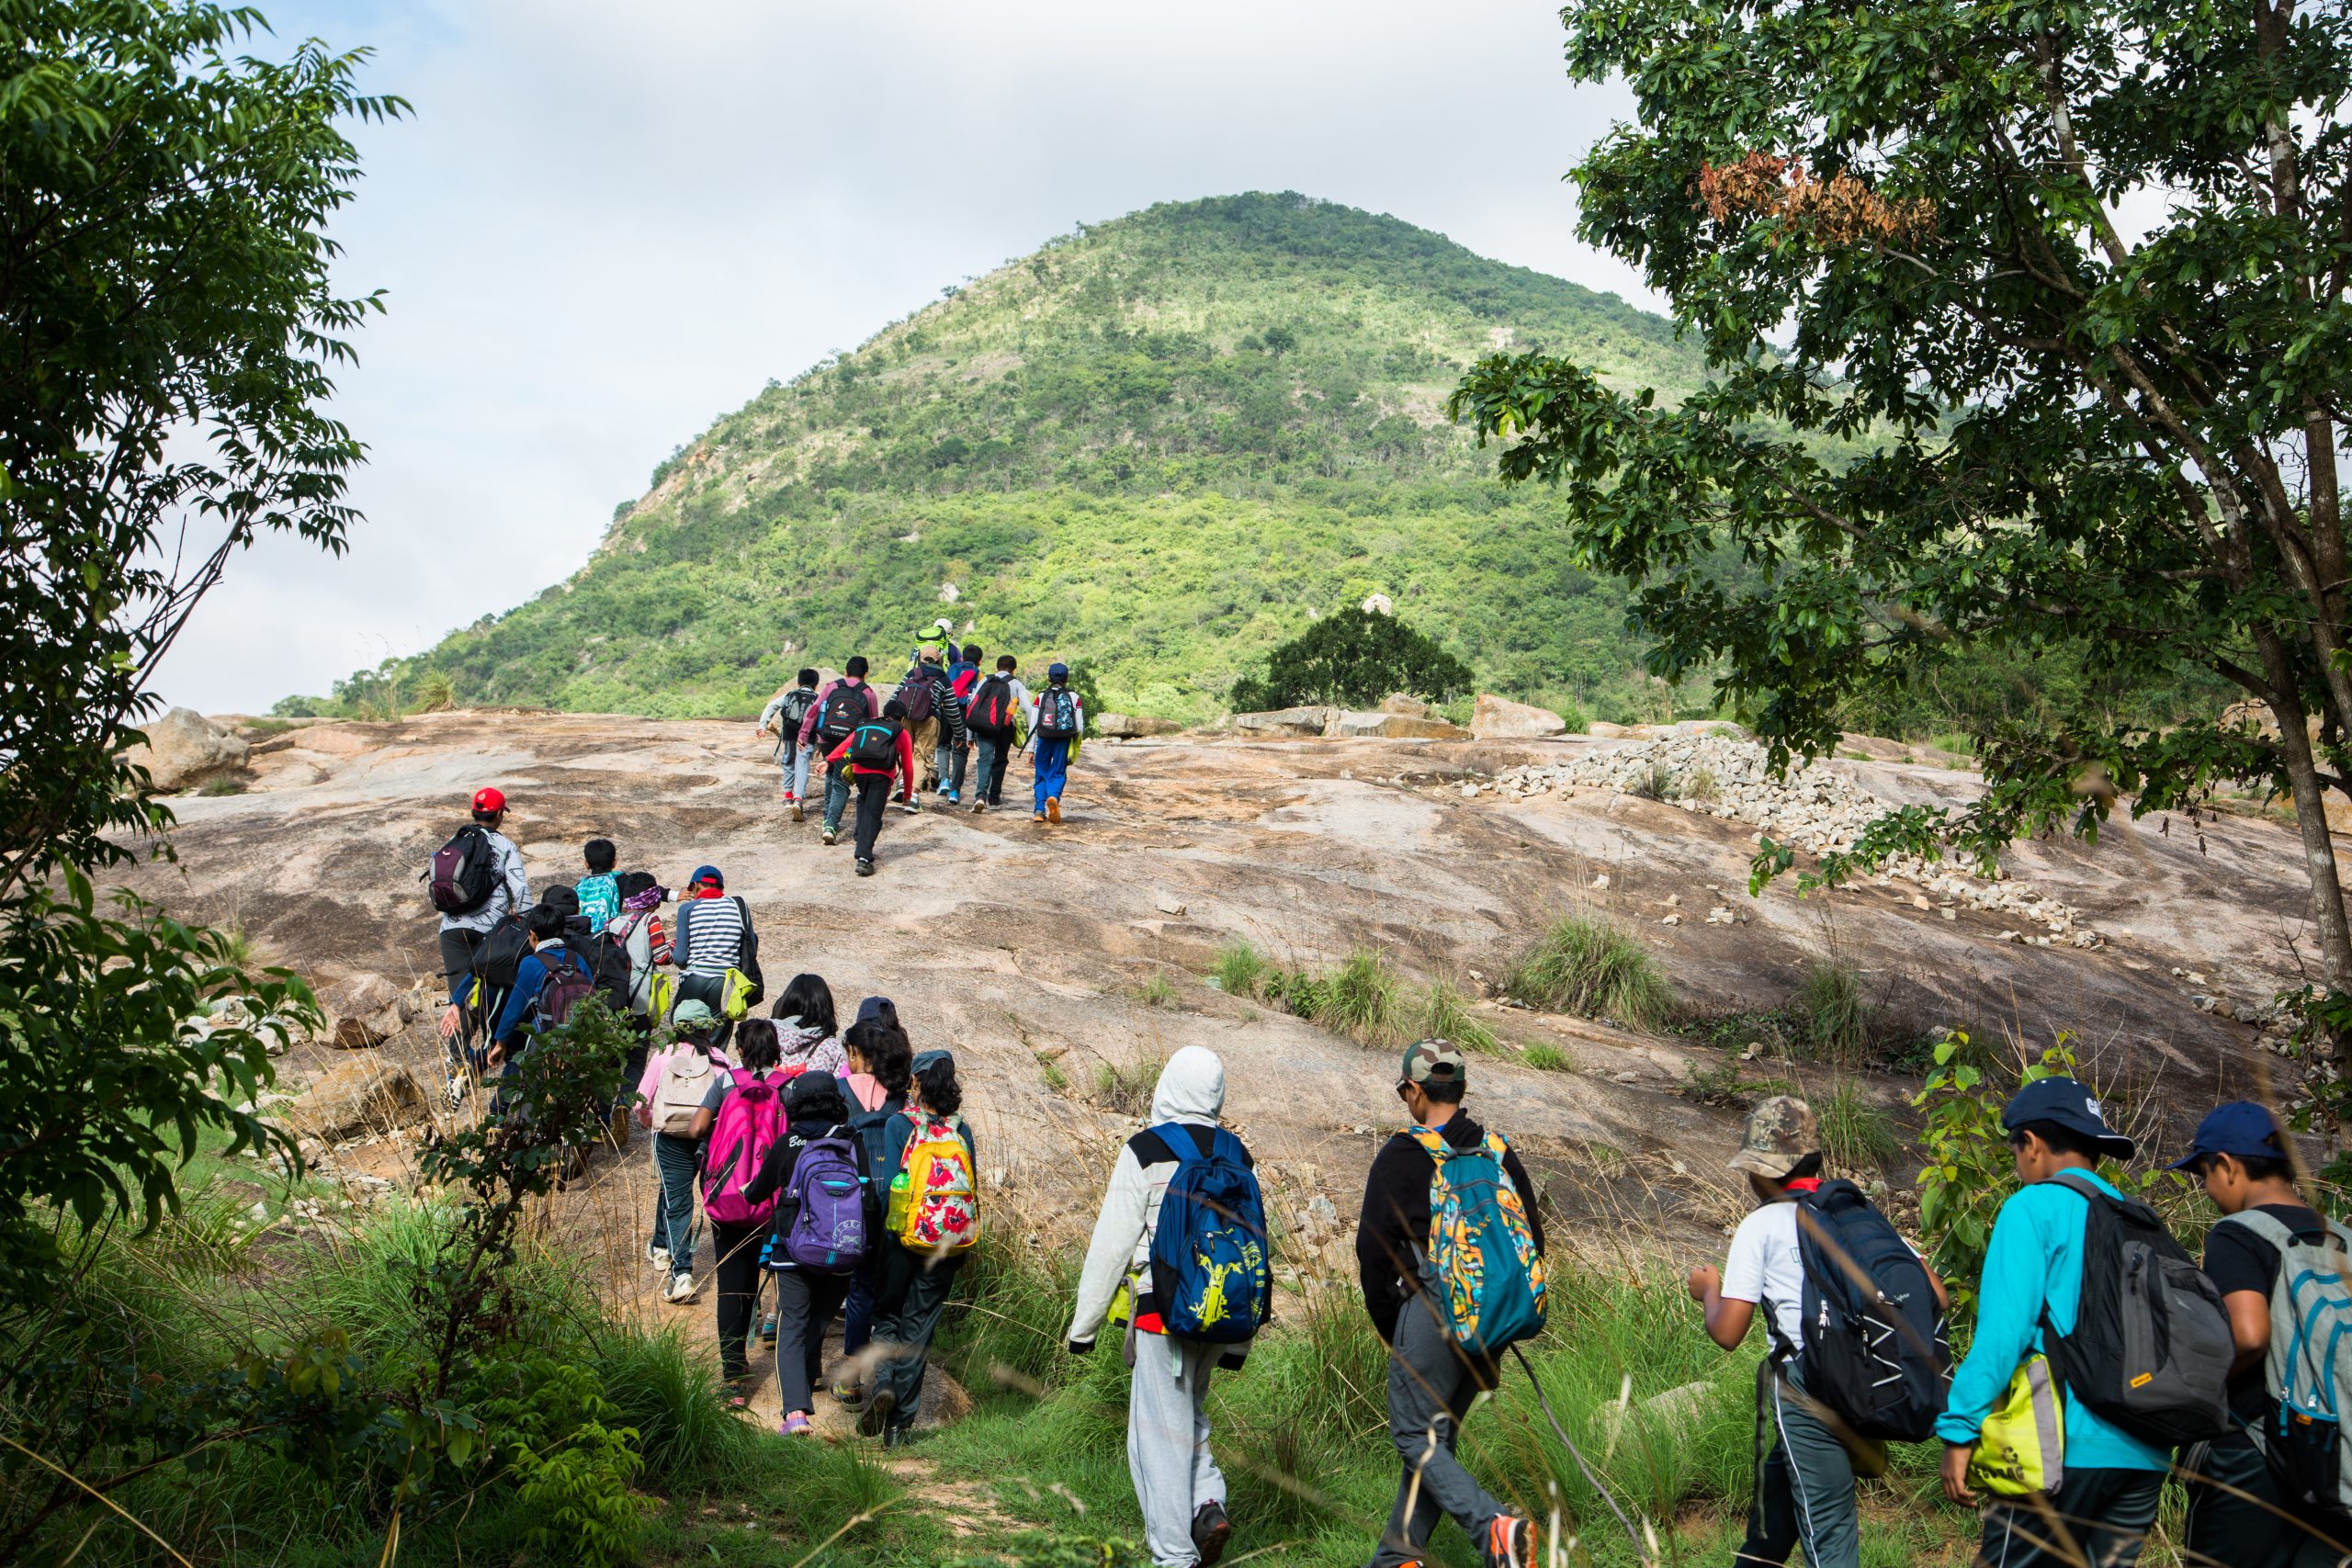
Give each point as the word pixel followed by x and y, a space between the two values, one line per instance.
pixel 489 800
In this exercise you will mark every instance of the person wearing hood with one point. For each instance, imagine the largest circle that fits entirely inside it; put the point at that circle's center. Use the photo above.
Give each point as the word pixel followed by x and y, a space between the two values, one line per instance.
pixel 1176 1478
pixel 804 1027
pixel 1056 726
pixel 806 1299
pixel 911 1287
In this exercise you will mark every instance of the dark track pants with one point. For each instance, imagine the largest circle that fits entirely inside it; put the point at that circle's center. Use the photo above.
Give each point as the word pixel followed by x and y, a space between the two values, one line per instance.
pixel 737 1273
pixel 1805 1484
pixel 912 1294
pixel 1430 1386
pixel 805 1305
pixel 2228 1529
pixel 2105 1513
pixel 873 796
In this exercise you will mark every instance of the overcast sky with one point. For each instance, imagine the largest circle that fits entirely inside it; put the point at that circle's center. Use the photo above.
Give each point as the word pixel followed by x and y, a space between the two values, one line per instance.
pixel 607 221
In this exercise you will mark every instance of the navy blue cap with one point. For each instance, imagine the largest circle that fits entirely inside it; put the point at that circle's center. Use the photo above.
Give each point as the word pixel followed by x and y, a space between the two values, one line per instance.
pixel 2243 1127
pixel 2071 1106
pixel 870 1009
pixel 1057 672
pixel 706 874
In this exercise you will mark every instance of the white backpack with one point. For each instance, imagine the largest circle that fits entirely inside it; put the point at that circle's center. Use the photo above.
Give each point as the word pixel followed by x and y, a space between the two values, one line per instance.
pixel 2307 1371
pixel 685 1079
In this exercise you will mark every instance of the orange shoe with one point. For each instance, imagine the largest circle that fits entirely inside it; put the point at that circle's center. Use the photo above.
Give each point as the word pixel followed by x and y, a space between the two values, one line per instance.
pixel 1510 1544
pixel 1053 808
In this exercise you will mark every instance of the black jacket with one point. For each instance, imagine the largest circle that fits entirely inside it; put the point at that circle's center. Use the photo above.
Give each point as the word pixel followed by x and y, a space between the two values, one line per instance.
pixel 1394 1232
pixel 774 1174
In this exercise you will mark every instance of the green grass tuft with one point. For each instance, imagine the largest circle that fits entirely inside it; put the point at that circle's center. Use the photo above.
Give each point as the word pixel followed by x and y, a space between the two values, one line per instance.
pixel 1831 1012
pixel 1361 1000
pixel 1158 991
pixel 1446 1015
pixel 1240 968
pixel 1547 1058
pixel 1587 965
pixel 1127 1086
pixel 1856 1134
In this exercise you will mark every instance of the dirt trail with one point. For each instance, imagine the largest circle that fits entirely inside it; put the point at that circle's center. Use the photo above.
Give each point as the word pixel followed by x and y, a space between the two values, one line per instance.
pixel 1024 946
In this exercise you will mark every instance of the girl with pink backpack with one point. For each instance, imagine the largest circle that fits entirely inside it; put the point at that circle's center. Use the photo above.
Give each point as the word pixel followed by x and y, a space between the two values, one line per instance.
pixel 743 1114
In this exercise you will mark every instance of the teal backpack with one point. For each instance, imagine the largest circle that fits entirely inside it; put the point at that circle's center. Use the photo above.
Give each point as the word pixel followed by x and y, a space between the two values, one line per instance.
pixel 1482 1262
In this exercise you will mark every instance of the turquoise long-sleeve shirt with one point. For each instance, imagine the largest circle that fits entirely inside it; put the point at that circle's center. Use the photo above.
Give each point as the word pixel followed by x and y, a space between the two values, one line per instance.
pixel 2035 1262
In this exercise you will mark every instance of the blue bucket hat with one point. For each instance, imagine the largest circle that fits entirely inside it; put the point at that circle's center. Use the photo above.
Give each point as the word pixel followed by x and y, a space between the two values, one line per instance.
pixel 2071 1106
pixel 2243 1127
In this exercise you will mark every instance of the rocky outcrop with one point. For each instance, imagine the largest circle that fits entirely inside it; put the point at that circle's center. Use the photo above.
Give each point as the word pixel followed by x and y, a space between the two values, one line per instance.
pixel 1498 718
pixel 1393 726
pixel 366 1009
pixel 1283 722
pixel 184 748
pixel 365 1096
pixel 1132 726
pixel 1398 702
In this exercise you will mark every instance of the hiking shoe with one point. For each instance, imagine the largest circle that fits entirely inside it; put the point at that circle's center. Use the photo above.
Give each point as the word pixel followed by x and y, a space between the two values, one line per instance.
pixel 1039 817
pixel 847 1391
pixel 911 807
pixel 1510 1542
pixel 681 1291
pixel 798 813
pixel 864 867
pixel 874 1421
pixel 1053 808
pixel 459 1082
pixel 832 833
pixel 1211 1530
pixel 978 806
pixel 657 1256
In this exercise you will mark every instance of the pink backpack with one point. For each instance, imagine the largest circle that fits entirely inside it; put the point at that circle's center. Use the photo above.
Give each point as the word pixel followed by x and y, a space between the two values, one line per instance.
pixel 750 1121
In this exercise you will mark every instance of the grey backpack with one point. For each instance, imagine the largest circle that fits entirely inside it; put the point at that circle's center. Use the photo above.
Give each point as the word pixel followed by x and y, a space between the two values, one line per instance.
pixel 2309 1368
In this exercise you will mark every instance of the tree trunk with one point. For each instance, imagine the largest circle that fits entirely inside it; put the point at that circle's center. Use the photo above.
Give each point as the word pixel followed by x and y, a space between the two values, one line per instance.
pixel 2319 844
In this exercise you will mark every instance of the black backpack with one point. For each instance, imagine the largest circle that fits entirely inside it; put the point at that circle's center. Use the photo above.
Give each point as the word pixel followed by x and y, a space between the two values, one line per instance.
pixel 916 694
pixel 2151 1350
pixel 875 745
pixel 608 962
pixel 991 710
pixel 747 957
pixel 464 872
pixel 501 953
pixel 797 704
pixel 1875 1348
pixel 844 710
pixel 1056 713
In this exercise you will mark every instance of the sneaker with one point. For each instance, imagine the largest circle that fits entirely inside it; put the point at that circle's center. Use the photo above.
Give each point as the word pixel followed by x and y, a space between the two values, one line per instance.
pixel 1053 808
pixel 874 1421
pixel 681 1291
pixel 1211 1530
pixel 978 806
pixel 1510 1542
pixel 847 1391
pixel 790 798
pixel 767 1331
pixel 1039 817
pixel 657 1256
pixel 459 1082
pixel 799 814
pixel 954 797
pixel 832 833
pixel 864 867
pixel 911 807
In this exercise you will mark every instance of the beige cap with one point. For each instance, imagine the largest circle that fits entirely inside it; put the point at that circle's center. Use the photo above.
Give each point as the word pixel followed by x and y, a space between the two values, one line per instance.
pixel 1781 1132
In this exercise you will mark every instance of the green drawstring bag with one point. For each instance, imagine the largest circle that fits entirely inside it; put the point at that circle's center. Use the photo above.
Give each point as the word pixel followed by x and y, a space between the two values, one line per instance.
pixel 2022 1448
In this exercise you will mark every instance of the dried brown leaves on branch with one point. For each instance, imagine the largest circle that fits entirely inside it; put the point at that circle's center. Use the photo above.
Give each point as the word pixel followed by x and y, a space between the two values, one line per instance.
pixel 1836 212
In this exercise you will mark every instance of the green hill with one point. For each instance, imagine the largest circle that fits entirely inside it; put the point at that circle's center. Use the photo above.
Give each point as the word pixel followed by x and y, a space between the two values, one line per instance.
pixel 1157 448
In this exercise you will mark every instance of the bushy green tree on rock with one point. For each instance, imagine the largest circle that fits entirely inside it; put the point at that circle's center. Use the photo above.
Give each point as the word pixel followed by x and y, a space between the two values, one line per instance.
pixel 2076 275
pixel 1352 658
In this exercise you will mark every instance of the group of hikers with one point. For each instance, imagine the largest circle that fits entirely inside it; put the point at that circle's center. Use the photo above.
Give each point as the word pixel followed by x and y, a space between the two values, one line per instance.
pixel 950 722
pixel 834 1169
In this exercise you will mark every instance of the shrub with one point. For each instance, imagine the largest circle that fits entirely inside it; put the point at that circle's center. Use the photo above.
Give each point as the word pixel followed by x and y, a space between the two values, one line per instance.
pixel 1586 965
pixel 1240 968
pixel 1547 1057
pixel 1856 1134
pixel 1360 999
pixel 1446 1015
pixel 1352 658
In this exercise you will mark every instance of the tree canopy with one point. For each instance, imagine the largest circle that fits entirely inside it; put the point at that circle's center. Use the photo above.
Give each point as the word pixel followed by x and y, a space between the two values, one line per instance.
pixel 2072 278
pixel 1353 657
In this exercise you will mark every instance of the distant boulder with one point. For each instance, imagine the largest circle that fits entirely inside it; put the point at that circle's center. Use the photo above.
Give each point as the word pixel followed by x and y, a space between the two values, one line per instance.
pixel 364 1011
pixel 184 748
pixel 368 1095
pixel 1413 708
pixel 1132 726
pixel 1498 718
pixel 1394 726
pixel 1283 721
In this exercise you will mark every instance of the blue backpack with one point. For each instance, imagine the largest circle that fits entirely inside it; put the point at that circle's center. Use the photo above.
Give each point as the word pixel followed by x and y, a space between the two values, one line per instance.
pixel 1482 1259
pixel 1208 1250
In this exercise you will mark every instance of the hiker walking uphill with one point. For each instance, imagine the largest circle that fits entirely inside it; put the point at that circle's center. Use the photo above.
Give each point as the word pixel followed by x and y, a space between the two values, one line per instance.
pixel 599 892
pixel 931 712
pixel 644 946
pixel 2263 1493
pixel 997 704
pixel 677 1079
pixel 881 1078
pixel 875 750
pixel 827 1211
pixel 717 949
pixel 1838 1362
pixel 783 717
pixel 1056 724
pixel 955 746
pixel 1486 1262
pixel 806 1033
pixel 2070 1259
pixel 840 708
pixel 740 1121
pixel 1179 1259
pixel 932 1219
pixel 477 880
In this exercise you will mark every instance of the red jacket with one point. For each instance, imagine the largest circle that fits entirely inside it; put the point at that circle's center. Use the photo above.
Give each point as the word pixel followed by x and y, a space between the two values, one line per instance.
pixel 906 763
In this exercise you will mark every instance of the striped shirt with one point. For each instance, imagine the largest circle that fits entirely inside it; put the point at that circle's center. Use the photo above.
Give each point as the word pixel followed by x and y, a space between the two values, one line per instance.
pixel 710 936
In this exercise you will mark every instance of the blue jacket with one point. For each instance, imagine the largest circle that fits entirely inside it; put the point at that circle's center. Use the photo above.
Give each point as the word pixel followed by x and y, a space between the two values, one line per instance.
pixel 2035 1264
pixel 529 976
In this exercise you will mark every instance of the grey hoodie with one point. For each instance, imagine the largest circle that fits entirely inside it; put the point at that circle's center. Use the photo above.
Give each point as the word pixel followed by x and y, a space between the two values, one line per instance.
pixel 1191 1093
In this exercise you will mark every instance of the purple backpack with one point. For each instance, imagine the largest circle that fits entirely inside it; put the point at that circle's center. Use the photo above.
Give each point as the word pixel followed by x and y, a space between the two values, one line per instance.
pixel 829 1226
pixel 750 1121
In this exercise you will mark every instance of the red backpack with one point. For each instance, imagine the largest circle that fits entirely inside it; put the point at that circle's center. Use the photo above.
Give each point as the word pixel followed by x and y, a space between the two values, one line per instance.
pixel 991 711
pixel 750 1121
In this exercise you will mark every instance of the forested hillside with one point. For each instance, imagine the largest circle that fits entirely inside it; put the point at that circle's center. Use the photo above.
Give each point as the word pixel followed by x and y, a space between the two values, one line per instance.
pixel 1158 447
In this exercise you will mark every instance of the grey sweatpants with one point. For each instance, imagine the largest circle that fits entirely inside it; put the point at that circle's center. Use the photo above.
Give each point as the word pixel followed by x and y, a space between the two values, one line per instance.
pixel 1805 1484
pixel 1430 1386
pixel 1168 1443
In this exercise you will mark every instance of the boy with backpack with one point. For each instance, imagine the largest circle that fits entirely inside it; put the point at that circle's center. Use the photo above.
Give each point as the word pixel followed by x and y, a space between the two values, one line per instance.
pixel 739 1126
pixel 875 750
pixel 1876 1368
pixel 1491 1259
pixel 2049 1328
pixel 925 693
pixel 838 709
pixel 548 983
pixel 819 1186
pixel 634 939
pixel 932 1218
pixel 477 880
pixel 599 892
pixel 2256 1496
pixel 783 717
pixel 670 1097
pixel 1182 1240
pixel 1056 724
pixel 993 714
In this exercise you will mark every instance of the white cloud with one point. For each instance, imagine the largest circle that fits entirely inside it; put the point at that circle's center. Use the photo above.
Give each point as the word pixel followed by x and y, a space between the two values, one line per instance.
pixel 607 222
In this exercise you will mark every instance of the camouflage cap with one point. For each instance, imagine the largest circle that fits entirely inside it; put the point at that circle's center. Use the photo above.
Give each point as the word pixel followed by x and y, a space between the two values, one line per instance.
pixel 1781 1132
pixel 1439 1059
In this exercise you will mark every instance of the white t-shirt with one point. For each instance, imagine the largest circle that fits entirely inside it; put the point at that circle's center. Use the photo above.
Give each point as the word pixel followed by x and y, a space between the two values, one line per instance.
pixel 1764 1268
